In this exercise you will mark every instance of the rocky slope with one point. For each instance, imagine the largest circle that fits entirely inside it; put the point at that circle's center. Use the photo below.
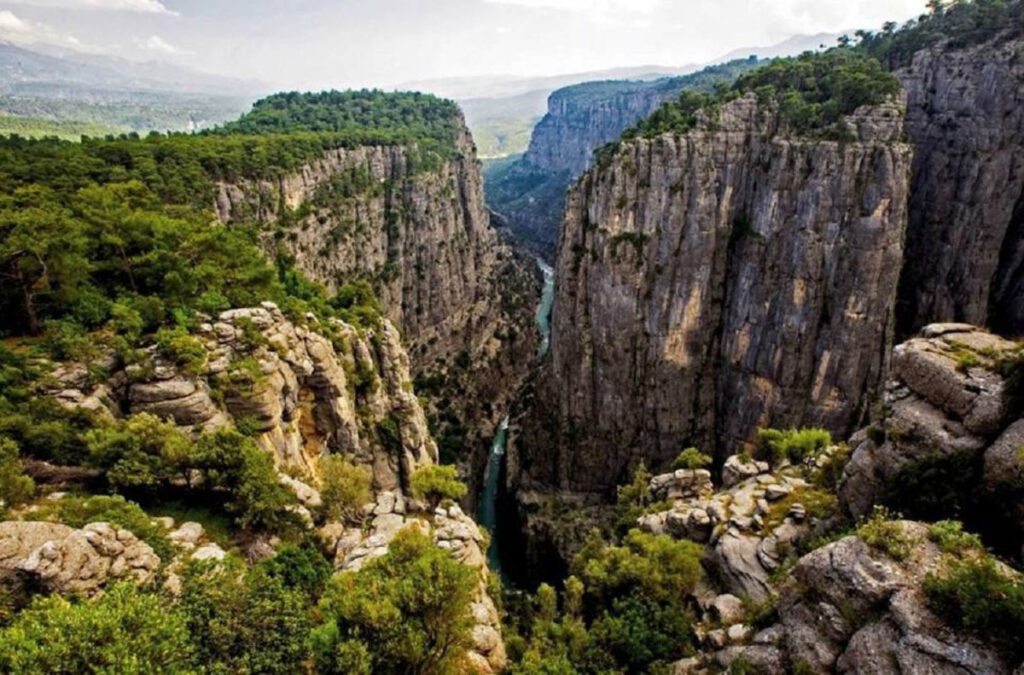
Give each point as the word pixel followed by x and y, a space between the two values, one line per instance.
pixel 951 417
pixel 852 608
pixel 420 234
pixel 530 194
pixel 713 283
pixel 303 394
pixel 965 241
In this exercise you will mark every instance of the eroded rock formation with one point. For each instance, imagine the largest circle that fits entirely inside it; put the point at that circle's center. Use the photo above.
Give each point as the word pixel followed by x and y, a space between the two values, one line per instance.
pixel 54 558
pixel 418 230
pixel 849 608
pixel 453 531
pixel 304 394
pixel 965 241
pixel 530 194
pixel 731 278
pixel 953 399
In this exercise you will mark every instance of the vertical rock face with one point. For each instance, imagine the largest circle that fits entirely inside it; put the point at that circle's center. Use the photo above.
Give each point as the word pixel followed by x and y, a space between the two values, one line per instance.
pixel 303 394
pixel 417 228
pixel 580 119
pixel 965 241
pixel 716 282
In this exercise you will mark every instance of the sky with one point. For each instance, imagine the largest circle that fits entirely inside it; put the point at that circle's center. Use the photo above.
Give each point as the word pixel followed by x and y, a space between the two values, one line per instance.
pixel 315 44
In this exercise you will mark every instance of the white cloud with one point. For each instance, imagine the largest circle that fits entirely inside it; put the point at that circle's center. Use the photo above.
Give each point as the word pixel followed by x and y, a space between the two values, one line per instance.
pixel 141 6
pixel 11 25
pixel 155 43
pixel 602 7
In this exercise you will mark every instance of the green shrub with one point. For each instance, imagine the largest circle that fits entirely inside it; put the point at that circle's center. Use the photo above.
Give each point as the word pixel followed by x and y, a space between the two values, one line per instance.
pixel 141 452
pixel 406 612
pixel 436 483
pixel 15 487
pixel 303 568
pixel 794 445
pixel 691 458
pixel 345 488
pixel 244 621
pixel 976 595
pixel 949 535
pixel 633 500
pixel 125 631
pixel 883 534
pixel 186 351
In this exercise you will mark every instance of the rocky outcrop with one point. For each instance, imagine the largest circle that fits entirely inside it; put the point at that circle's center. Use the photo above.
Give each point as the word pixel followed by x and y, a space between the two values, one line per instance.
pixel 416 227
pixel 965 241
pixel 304 394
pixel 951 396
pixel 730 278
pixel 54 558
pixel 453 531
pixel 530 194
pixel 749 528
pixel 849 608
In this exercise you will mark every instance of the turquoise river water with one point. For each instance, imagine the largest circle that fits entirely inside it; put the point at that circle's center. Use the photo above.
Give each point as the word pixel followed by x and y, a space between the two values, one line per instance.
pixel 487 512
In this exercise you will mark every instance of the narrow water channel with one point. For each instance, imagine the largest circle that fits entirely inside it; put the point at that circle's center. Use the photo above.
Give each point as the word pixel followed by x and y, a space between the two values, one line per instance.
pixel 487 513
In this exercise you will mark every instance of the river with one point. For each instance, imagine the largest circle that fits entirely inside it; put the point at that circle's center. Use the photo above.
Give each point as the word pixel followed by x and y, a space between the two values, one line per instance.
pixel 487 513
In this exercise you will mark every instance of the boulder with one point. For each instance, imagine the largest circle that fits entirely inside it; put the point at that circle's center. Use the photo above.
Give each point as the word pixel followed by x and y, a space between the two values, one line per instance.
pixel 59 559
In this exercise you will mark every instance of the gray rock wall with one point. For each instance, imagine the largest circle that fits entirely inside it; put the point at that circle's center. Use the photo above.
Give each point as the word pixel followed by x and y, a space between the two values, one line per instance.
pixel 965 241
pixel 716 282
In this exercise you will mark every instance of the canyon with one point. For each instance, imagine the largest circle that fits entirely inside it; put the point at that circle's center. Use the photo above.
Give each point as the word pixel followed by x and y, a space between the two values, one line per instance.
pixel 727 368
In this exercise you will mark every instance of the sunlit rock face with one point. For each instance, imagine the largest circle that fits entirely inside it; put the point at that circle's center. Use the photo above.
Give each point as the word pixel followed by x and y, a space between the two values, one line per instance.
pixel 730 278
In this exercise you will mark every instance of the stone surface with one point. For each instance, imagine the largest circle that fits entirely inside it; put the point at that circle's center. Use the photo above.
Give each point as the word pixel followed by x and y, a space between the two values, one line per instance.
pixel 709 284
pixel 965 240
pixel 312 396
pixel 946 397
pixel 424 239
pixel 851 609
pixel 531 193
pixel 452 531
pixel 59 559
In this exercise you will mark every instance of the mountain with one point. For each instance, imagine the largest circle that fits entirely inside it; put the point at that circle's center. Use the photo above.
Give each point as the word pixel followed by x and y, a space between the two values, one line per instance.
pixel 797 44
pixel 508 86
pixel 60 68
pixel 530 192
pixel 57 88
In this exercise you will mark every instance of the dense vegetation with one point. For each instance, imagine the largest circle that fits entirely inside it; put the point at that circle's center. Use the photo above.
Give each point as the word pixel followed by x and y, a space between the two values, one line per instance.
pixel 109 247
pixel 813 92
pixel 98 112
pixel 395 118
pixel 961 22
pixel 623 610
pixel 106 226
pixel 67 130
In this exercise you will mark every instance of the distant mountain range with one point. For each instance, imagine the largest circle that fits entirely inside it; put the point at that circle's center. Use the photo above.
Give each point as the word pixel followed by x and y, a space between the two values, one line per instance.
pixel 63 70
pixel 49 90
pixel 502 110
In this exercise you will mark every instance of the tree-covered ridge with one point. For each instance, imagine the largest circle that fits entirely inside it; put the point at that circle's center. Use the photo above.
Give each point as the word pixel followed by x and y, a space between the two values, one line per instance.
pixel 89 228
pixel 705 80
pixel 960 22
pixel 813 92
pixel 402 117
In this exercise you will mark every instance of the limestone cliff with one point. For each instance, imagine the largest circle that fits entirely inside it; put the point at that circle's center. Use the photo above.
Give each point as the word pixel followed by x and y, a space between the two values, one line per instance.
pixel 965 240
pixel 417 229
pixel 303 394
pixel 731 278
pixel 948 441
pixel 530 194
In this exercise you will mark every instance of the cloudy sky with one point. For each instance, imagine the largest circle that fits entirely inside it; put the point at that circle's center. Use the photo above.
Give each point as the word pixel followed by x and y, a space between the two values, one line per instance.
pixel 341 43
